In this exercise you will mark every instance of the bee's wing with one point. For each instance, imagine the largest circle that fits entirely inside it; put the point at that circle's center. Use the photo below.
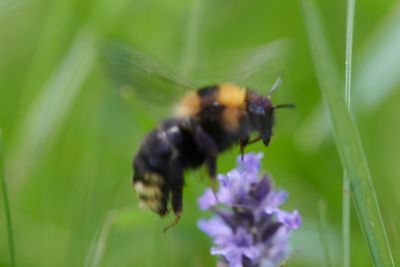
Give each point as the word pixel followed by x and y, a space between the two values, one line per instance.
pixel 138 75
pixel 262 66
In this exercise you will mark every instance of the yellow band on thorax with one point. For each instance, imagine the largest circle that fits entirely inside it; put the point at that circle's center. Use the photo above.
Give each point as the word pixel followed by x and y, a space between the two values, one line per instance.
pixel 231 95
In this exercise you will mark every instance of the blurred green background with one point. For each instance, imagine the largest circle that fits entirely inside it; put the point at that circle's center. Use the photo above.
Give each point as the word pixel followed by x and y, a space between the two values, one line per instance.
pixel 70 134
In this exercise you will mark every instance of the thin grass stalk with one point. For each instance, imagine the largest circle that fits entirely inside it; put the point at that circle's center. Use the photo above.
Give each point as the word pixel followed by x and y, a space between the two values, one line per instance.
pixel 349 50
pixel 98 245
pixel 346 220
pixel 324 233
pixel 7 212
pixel 103 238
pixel 346 211
pixel 348 142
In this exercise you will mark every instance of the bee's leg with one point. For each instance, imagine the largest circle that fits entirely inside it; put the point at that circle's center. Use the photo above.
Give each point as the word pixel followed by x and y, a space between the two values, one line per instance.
pixel 208 146
pixel 211 163
pixel 255 140
pixel 243 143
pixel 163 211
pixel 176 186
pixel 171 225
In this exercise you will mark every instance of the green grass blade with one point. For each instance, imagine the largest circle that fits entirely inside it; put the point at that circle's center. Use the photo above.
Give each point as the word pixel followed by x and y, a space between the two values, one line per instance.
pixel 346 211
pixel 6 203
pixel 348 141
pixel 100 242
pixel 115 217
pixel 50 109
pixel 378 65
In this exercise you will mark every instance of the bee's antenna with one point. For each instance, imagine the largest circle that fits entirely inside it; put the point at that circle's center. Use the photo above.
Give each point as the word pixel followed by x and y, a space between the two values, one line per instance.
pixel 276 85
pixel 284 106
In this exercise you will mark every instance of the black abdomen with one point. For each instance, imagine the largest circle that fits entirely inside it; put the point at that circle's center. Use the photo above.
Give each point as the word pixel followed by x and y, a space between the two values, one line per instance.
pixel 159 164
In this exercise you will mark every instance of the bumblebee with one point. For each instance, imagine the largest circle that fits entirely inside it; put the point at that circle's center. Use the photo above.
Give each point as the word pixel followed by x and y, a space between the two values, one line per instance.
pixel 207 122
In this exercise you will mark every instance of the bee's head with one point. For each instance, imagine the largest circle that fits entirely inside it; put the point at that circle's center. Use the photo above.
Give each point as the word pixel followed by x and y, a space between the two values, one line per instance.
pixel 261 113
pixel 261 116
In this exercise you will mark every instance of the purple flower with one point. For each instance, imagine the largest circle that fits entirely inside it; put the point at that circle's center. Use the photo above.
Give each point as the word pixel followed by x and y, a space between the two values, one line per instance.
pixel 238 245
pixel 248 228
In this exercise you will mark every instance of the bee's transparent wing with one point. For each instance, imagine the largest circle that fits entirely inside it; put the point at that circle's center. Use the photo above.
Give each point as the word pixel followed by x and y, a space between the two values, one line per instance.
pixel 138 75
pixel 262 66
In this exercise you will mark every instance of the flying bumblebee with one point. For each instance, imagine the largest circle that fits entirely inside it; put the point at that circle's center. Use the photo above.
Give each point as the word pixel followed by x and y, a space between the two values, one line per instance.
pixel 206 122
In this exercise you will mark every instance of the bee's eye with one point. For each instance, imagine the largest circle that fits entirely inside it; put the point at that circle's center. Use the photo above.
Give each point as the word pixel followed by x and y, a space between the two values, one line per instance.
pixel 256 109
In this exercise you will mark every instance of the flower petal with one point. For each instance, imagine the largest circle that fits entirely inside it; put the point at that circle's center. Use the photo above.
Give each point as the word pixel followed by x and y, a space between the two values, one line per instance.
pixel 262 188
pixel 290 220
pixel 274 200
pixel 207 200
pixel 252 253
pixel 214 227
pixel 250 163
pixel 234 258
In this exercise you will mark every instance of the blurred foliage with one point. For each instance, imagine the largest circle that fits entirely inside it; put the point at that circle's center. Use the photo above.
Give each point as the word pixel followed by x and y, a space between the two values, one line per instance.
pixel 69 133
